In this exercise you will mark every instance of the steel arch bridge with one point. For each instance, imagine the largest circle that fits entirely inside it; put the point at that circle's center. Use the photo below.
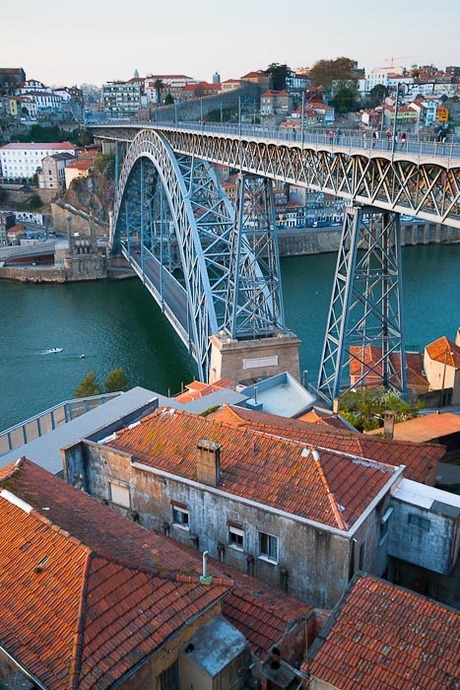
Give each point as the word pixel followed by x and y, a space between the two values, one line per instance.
pixel 422 180
pixel 177 228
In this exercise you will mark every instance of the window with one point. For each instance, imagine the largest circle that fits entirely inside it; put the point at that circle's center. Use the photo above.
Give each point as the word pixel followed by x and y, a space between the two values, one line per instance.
pixel 268 547
pixel 418 521
pixel 181 517
pixel 119 494
pixel 236 537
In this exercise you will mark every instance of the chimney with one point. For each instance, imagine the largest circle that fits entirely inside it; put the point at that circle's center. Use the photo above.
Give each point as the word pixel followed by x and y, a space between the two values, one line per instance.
pixel 388 424
pixel 208 462
pixel 335 405
pixel 457 337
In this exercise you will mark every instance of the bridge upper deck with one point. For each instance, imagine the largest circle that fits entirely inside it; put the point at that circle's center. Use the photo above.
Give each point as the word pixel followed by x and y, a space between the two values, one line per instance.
pixel 445 153
pixel 421 178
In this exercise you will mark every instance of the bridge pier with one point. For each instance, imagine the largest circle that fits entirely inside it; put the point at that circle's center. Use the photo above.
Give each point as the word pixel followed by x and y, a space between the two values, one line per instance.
pixel 243 360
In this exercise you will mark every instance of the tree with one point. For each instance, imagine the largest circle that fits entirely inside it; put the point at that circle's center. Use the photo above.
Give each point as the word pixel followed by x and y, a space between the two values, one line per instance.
pixel 116 381
pixel 333 75
pixel 366 407
pixel 278 74
pixel 158 86
pixel 88 386
pixel 35 202
pixel 346 100
pixel 376 95
pixel 169 100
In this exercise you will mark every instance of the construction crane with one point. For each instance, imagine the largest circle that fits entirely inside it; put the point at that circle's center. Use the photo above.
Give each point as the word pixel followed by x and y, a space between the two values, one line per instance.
pixel 392 58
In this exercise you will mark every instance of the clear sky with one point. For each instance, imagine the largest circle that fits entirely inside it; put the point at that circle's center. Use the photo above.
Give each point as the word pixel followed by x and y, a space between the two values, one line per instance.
pixel 93 41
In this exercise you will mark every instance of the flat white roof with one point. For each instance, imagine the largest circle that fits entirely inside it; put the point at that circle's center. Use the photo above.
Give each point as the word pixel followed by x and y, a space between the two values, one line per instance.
pixel 424 496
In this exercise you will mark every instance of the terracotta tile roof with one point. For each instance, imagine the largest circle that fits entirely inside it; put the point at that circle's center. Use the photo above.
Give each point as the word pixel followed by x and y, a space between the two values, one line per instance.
pixel 323 418
pixel 85 164
pixel 382 636
pixel 262 613
pixel 420 459
pixel 360 363
pixel 426 428
pixel 445 351
pixel 64 146
pixel 198 389
pixel 76 617
pixel 333 489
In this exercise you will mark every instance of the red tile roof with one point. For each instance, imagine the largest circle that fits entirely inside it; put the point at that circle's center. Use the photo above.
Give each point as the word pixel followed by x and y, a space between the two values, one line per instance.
pixel 249 605
pixel 263 614
pixel 79 164
pixel 444 351
pixel 76 615
pixel 361 363
pixel 324 418
pixel 425 428
pixel 382 636
pixel 420 459
pixel 63 146
pixel 198 389
pixel 332 489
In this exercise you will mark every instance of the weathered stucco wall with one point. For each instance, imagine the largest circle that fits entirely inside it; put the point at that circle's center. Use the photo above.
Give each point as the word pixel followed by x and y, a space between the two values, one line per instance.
pixel 427 544
pixel 313 563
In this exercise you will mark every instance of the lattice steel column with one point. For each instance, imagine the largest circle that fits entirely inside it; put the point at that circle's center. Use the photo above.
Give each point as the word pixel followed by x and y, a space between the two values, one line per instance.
pixel 254 304
pixel 364 340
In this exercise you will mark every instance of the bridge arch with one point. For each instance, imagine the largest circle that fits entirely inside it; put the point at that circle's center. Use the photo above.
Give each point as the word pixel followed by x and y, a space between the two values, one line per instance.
pixel 202 218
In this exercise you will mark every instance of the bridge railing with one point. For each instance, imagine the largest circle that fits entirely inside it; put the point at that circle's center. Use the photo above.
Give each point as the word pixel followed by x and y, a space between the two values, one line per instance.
pixel 49 419
pixel 335 140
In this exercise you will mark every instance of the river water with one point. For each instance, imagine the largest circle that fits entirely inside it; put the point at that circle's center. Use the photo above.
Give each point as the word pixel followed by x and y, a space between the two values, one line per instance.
pixel 117 324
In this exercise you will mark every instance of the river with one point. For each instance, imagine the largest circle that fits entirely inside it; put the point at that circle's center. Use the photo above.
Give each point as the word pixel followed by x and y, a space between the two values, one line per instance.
pixel 117 324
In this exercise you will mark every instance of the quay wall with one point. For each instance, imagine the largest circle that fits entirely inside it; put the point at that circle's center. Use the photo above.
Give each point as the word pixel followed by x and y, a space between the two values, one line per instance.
pixel 321 240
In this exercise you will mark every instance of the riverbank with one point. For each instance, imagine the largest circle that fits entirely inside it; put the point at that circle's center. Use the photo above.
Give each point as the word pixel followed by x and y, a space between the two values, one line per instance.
pixel 300 242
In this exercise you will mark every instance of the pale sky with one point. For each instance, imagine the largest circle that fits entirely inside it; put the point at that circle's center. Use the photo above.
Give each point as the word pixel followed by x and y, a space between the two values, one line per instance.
pixel 93 41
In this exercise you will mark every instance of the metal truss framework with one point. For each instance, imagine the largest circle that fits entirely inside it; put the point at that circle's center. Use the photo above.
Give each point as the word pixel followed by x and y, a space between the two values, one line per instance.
pixel 177 228
pixel 255 301
pixel 365 310
pixel 424 186
pixel 365 326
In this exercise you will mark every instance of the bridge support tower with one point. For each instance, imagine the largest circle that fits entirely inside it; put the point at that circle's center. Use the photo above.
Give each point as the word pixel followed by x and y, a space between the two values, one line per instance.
pixel 364 343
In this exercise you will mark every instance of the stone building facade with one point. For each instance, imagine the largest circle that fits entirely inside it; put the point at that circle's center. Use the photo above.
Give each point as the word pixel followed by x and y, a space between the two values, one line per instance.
pixel 258 503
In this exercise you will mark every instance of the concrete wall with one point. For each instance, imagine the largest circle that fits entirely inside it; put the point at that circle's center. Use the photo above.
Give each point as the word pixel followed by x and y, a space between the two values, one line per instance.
pixel 429 548
pixel 80 221
pixel 320 240
pixel 313 563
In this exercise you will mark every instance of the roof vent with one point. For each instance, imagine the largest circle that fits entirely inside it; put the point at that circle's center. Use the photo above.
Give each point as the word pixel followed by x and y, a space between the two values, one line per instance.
pixel 310 451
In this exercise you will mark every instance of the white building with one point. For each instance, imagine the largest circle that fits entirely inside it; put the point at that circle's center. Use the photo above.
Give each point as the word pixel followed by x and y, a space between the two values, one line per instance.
pixel 21 161
pixel 52 175
pixel 123 97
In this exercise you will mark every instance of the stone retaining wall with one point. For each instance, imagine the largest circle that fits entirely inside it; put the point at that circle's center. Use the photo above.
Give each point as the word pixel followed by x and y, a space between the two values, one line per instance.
pixel 322 240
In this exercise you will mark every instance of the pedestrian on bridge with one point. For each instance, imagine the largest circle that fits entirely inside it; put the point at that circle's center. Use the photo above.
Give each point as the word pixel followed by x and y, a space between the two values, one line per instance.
pixel 389 136
pixel 375 136
pixel 403 140
pixel 338 134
